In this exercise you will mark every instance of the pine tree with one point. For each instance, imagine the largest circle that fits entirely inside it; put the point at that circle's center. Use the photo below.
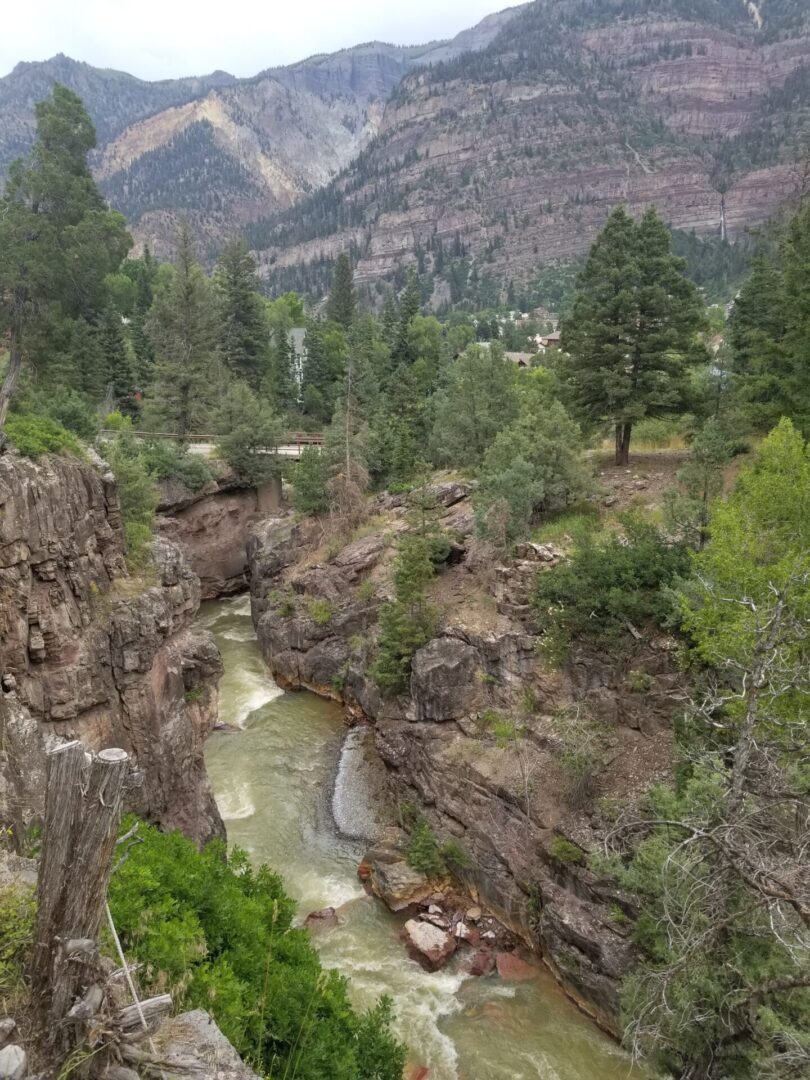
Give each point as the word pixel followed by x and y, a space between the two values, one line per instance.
pixel 58 241
pixel 243 329
pixel 182 330
pixel 341 303
pixel 631 328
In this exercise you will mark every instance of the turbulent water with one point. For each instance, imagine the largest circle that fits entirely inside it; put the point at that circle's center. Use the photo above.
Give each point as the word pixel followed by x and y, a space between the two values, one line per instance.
pixel 282 781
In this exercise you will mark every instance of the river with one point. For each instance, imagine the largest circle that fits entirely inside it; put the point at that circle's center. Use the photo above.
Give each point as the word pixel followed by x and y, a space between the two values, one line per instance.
pixel 274 781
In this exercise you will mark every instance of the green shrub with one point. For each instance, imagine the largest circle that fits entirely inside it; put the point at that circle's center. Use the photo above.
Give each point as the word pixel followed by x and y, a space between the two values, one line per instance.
pixel 167 461
pixel 455 857
pixel 639 682
pixel 423 851
pixel 610 581
pixel 34 436
pixel 137 495
pixel 218 935
pixel 194 694
pixel 310 482
pixel 564 852
pixel 366 590
pixel 320 611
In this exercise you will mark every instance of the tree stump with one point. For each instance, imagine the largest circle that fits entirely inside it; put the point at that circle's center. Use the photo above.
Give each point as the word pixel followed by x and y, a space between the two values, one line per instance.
pixel 83 803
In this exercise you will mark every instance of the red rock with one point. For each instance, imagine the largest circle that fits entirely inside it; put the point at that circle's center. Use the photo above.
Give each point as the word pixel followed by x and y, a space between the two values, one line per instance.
pixel 472 937
pixel 513 969
pixel 418 1072
pixel 364 871
pixel 324 919
pixel 480 963
pixel 431 946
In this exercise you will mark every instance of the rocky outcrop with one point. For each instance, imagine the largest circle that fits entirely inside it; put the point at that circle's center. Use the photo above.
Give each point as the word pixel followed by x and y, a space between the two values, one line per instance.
pixel 211 525
pixel 192 1044
pixel 478 743
pixel 431 946
pixel 89 652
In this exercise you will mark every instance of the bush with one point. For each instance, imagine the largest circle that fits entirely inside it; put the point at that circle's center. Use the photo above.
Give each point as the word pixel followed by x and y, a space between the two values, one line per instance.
pixel 34 436
pixel 320 611
pixel 564 852
pixel 137 495
pixel 167 461
pixel 218 935
pixel 310 482
pixel 609 582
pixel 423 851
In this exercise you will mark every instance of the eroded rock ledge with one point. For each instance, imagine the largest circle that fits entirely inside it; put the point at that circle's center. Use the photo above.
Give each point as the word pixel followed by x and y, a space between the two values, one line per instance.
pixel 504 798
pixel 89 652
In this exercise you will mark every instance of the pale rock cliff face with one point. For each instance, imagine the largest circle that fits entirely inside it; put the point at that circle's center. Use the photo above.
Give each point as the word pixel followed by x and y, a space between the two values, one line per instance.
pixel 504 800
pixel 88 652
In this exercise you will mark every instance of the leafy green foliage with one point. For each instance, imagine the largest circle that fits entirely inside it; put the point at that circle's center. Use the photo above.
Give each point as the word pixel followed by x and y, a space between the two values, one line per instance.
pixel 310 482
pixel 610 580
pixel 423 850
pixel 167 461
pixel 249 429
pixel 719 861
pixel 565 853
pixel 219 935
pixel 34 436
pixel 137 494
pixel 532 466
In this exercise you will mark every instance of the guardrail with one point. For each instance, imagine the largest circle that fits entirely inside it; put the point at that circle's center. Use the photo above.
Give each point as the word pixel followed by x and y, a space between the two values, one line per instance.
pixel 294 438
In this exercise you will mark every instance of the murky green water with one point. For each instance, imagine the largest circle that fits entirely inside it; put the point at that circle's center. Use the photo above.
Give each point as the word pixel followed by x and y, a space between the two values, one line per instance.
pixel 274 783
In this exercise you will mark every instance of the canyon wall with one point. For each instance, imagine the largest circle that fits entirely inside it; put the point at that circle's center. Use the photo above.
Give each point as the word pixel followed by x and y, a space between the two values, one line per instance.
pixel 89 651
pixel 476 742
pixel 211 525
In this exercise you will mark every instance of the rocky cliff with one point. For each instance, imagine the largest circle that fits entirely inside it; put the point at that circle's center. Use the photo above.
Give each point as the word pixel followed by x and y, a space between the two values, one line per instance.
pixel 211 526
pixel 483 738
pixel 88 651
pixel 217 150
pixel 510 158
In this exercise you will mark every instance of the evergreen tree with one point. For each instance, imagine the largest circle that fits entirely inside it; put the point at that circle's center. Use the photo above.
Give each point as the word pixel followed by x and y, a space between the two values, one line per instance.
pixel 243 330
pixel 58 241
pixel 182 329
pixel 326 353
pixel 280 384
pixel 116 353
pixel 796 258
pixel 341 303
pixel 632 325
pixel 480 399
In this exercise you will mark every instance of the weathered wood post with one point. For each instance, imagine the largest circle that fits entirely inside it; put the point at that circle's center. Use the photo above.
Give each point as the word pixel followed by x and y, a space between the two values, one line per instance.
pixel 83 803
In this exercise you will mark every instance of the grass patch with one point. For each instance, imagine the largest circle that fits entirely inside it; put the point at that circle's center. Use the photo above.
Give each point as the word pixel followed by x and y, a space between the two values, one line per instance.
pixel 565 853
pixel 320 611
pixel 569 524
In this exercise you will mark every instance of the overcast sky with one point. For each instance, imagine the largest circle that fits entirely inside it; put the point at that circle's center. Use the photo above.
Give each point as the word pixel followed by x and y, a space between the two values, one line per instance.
pixel 158 39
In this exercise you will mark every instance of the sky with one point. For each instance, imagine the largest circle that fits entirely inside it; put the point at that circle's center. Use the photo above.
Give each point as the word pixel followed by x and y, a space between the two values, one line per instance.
pixel 162 39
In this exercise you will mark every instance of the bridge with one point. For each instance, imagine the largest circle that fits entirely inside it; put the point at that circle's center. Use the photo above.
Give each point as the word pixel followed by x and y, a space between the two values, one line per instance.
pixel 292 446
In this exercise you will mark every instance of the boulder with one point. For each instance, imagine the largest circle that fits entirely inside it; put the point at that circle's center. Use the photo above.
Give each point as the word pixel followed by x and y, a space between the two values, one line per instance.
pixel 7 1025
pixel 194 1045
pixel 390 877
pixel 324 919
pixel 513 969
pixel 482 962
pixel 431 946
pixel 13 1063
pixel 473 914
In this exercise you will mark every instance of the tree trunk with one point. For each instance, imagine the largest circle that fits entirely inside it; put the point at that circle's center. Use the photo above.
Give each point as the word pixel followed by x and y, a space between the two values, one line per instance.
pixel 623 431
pixel 82 812
pixel 14 367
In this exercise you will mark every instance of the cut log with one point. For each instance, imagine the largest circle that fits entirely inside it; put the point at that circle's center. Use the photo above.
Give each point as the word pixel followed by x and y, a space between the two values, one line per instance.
pixel 154 1009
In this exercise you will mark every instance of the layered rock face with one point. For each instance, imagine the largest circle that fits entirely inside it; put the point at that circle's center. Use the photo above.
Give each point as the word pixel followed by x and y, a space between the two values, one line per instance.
pixel 88 652
pixel 479 740
pixel 514 157
pixel 211 525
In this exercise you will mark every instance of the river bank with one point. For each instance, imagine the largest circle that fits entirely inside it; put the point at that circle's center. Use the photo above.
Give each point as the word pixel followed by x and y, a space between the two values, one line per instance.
pixel 274 781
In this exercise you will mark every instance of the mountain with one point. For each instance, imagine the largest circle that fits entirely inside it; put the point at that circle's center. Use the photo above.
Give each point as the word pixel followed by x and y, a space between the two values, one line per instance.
pixel 219 150
pixel 489 164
